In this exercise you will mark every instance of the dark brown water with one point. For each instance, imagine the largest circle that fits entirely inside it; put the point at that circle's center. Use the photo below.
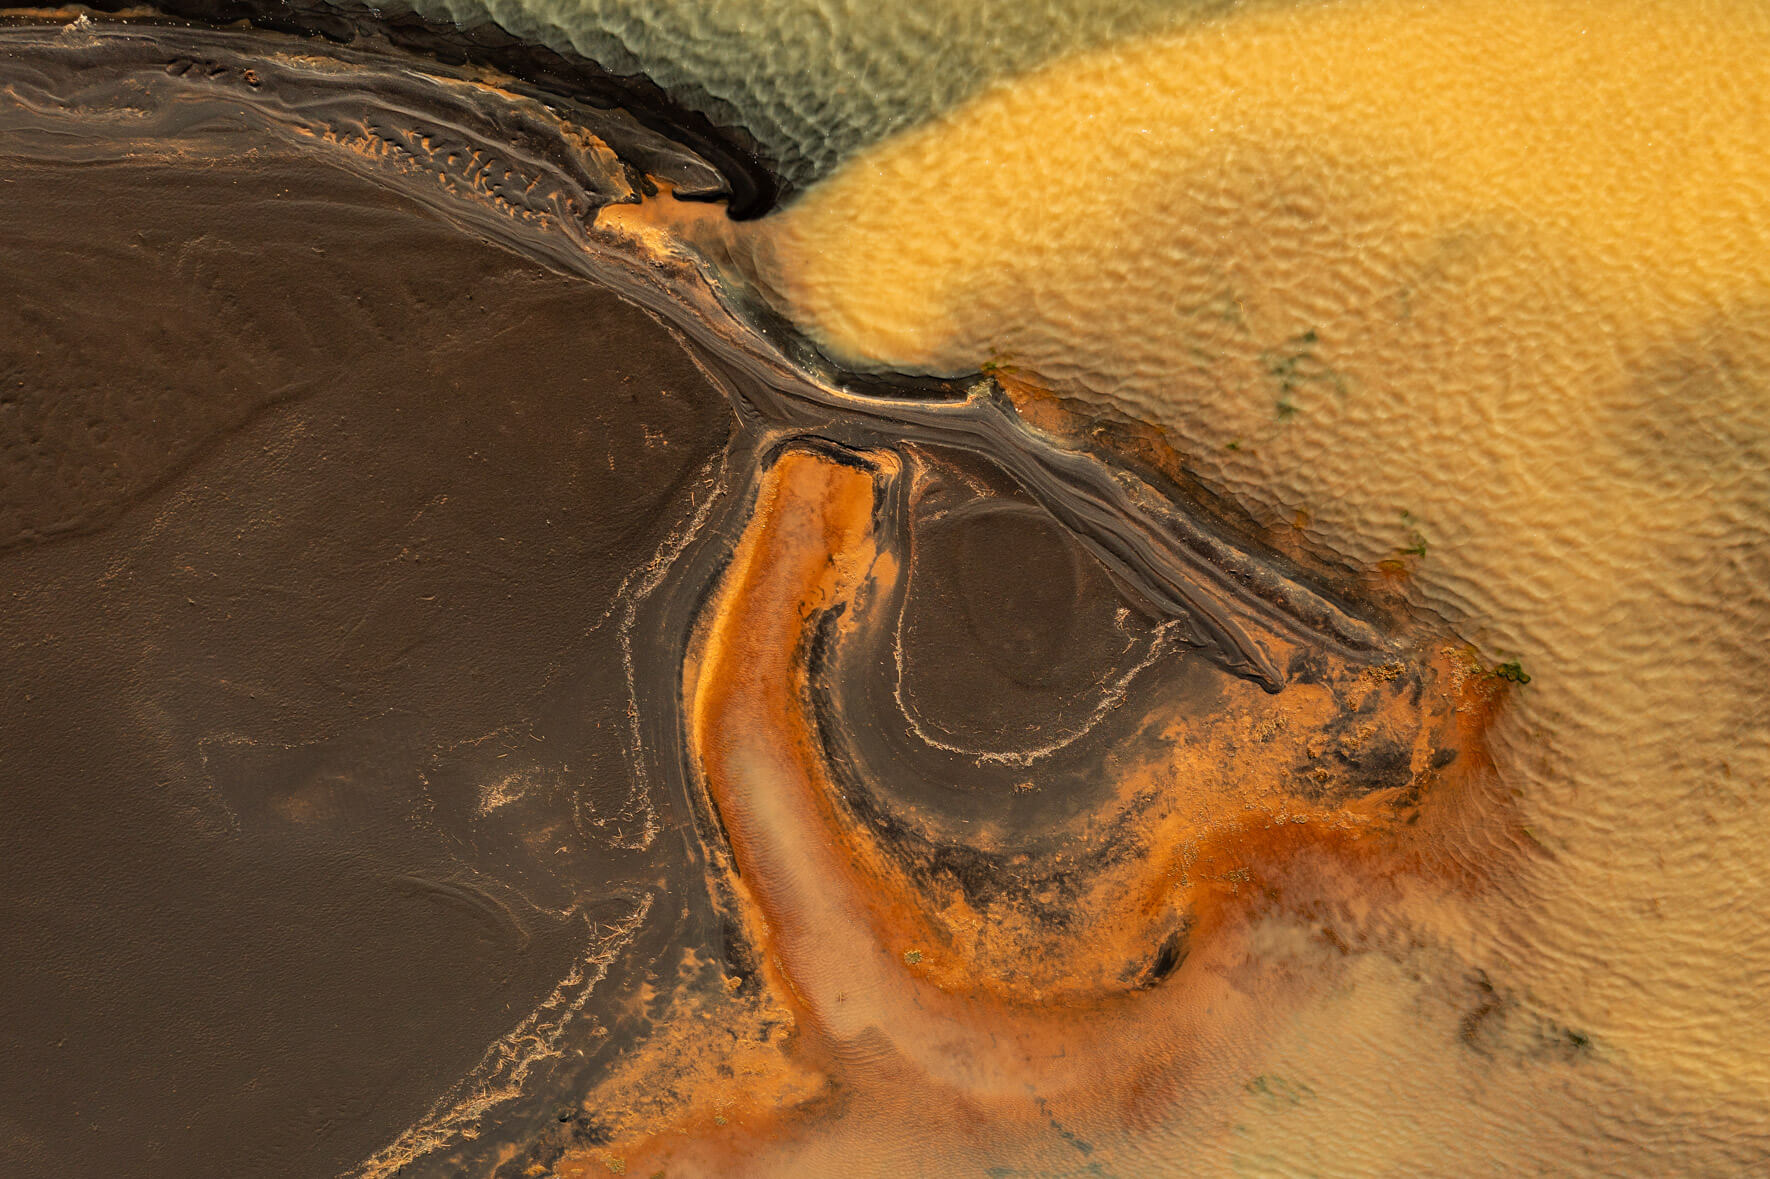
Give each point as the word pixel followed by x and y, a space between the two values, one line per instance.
pixel 317 779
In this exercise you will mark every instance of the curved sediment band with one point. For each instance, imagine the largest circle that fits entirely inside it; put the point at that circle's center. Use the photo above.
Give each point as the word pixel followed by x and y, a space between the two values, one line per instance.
pixel 837 937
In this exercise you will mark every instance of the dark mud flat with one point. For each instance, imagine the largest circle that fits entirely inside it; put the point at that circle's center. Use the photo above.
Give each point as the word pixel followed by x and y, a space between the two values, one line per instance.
pixel 315 755
pixel 357 518
pixel 1007 653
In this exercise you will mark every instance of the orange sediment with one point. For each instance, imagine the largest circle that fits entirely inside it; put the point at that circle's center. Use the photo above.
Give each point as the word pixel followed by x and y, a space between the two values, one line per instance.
pixel 849 941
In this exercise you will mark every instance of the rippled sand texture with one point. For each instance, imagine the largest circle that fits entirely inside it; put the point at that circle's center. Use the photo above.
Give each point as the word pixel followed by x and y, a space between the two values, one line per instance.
pixel 1483 279
pixel 815 80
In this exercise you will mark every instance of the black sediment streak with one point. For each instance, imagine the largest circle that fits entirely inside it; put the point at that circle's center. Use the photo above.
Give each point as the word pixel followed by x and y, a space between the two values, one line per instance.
pixel 519 171
pixel 733 168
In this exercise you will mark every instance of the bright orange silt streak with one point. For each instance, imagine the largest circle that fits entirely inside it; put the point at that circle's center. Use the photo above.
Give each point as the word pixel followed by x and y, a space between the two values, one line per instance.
pixel 834 933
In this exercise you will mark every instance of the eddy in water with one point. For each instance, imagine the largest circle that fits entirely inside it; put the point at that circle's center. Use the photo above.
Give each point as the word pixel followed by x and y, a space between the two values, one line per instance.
pixel 1275 692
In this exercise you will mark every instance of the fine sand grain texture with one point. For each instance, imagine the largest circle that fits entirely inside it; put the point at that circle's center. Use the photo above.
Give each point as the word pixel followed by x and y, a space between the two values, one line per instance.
pixel 1476 292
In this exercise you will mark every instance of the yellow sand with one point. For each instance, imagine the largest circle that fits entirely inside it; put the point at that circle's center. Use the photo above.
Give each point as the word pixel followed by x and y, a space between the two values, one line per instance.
pixel 1500 265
